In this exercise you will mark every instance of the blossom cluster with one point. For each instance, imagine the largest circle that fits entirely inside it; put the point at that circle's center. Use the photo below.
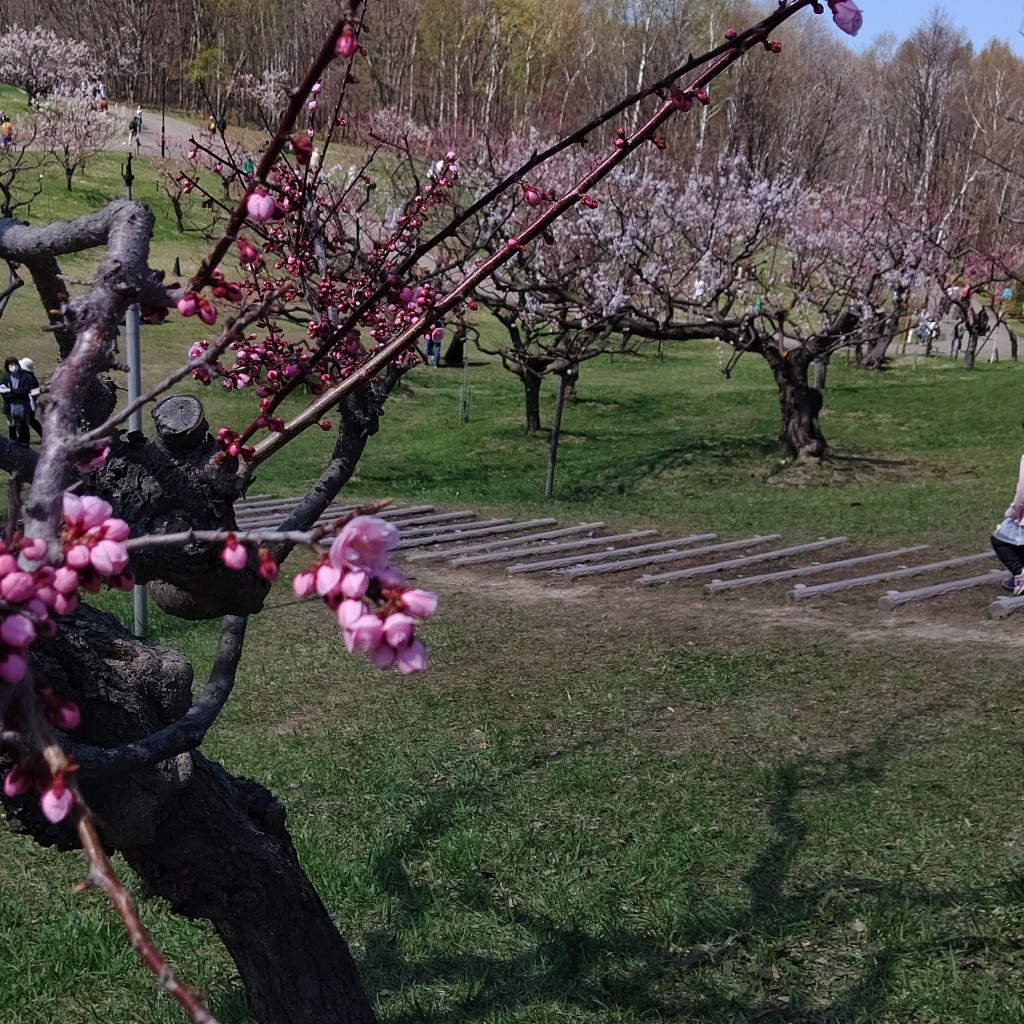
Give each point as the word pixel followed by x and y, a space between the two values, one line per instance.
pixel 377 612
pixel 93 554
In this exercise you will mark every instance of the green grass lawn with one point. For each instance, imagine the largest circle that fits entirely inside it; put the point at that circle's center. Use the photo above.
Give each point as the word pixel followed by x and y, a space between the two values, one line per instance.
pixel 607 806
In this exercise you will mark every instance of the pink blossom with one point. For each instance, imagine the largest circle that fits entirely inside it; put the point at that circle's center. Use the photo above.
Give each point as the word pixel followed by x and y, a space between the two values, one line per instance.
pixel 304 584
pixel 383 655
pixel 234 555
pixel 349 611
pixel 108 558
pixel 12 667
pixel 66 580
pixel 412 658
pixel 17 781
pixel 247 253
pixel 420 603
pixel 327 579
pixel 85 511
pixel 355 584
pixel 65 714
pixel 532 196
pixel 398 629
pixel 363 633
pixel 259 206
pixel 364 543
pixel 847 15
pixel 77 557
pixel 33 548
pixel 207 313
pixel 347 44
pixel 56 801
pixel 17 587
pixel 188 304
pixel 17 631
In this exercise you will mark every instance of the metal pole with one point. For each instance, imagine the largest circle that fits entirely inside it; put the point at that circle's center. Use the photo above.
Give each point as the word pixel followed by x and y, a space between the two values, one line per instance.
pixel 133 332
pixel 163 113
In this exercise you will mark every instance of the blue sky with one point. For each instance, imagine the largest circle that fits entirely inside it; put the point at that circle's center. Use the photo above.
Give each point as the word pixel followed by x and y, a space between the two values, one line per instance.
pixel 981 19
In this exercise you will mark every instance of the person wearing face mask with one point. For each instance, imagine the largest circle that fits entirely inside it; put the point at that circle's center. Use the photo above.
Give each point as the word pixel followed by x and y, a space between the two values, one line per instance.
pixel 33 397
pixel 16 387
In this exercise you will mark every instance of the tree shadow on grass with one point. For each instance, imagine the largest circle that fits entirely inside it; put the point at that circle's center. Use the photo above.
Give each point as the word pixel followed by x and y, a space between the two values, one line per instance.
pixel 720 452
pixel 727 976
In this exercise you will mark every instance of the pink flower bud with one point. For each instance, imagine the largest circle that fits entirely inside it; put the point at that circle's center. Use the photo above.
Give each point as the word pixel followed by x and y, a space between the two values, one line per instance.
pixel 17 781
pixel 233 554
pixel 247 253
pixel 398 629
pixel 56 801
pixel 259 206
pixel 17 587
pixel 64 714
pixel 420 603
pixel 347 44
pixel 108 558
pixel 363 634
pixel 17 631
pixel 207 313
pixel 65 581
pixel 532 196
pixel 412 658
pixel 188 304
pixel 383 655
pixel 847 16
pixel 76 557
pixel 33 548
pixel 12 667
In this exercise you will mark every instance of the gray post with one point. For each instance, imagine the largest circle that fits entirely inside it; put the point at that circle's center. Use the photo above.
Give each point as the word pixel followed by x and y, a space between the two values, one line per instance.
pixel 132 325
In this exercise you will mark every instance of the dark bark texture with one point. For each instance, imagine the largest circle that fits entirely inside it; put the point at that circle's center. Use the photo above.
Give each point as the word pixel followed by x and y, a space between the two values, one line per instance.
pixel 213 845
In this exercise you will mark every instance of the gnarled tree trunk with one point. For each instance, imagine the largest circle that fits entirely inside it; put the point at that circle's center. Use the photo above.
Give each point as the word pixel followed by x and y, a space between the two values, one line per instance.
pixel 800 406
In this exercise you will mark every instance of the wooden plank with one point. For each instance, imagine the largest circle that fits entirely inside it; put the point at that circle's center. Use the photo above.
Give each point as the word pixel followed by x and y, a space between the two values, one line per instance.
pixel 273 520
pixel 802 593
pixel 499 526
pixel 443 534
pixel 571 573
pixel 486 527
pixel 542 549
pixel 807 570
pixel 894 598
pixel 1001 607
pixel 491 545
pixel 330 514
pixel 734 563
pixel 597 556
pixel 424 524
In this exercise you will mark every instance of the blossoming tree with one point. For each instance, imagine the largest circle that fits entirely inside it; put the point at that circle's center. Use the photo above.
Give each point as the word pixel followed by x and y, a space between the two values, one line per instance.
pixel 99 726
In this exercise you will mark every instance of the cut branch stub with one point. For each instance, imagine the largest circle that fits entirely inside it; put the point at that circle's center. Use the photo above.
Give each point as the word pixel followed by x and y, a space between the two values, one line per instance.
pixel 181 424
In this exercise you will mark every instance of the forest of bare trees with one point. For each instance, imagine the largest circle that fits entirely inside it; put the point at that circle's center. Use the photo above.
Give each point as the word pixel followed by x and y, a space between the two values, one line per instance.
pixel 928 118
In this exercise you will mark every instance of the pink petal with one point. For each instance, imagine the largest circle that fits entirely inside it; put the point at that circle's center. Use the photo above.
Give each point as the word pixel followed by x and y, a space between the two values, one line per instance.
pixel 17 631
pixel 56 804
pixel 420 603
pixel 412 658
pixel 398 629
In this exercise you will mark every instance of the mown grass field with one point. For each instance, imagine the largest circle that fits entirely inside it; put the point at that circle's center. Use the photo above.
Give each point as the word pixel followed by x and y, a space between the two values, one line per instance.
pixel 616 807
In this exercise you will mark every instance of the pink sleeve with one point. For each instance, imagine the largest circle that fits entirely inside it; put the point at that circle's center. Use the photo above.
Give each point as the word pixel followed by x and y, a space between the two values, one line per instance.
pixel 1016 509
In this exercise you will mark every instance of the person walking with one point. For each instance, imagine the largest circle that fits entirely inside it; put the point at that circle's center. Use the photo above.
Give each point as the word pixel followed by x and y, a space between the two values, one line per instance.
pixel 33 396
pixel 1008 538
pixel 16 387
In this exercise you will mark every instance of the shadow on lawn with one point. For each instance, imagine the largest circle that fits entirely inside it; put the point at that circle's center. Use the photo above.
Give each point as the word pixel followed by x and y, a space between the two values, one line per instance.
pixel 729 974
pixel 724 450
